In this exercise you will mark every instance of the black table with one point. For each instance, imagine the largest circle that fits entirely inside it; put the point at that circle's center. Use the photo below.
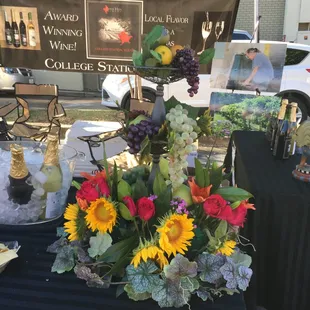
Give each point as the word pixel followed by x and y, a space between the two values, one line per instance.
pixel 28 283
pixel 280 226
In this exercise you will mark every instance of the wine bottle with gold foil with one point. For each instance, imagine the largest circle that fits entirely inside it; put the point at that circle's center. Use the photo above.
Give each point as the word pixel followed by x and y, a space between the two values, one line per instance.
pixel 293 127
pixel 52 170
pixel 281 115
pixel 19 190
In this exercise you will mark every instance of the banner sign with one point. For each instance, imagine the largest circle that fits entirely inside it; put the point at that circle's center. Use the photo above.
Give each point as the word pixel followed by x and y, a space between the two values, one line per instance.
pixel 100 35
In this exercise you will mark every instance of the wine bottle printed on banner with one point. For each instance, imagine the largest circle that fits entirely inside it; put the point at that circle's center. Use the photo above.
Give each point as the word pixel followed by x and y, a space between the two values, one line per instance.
pixel 31 31
pixel 16 35
pixel 281 115
pixel 8 30
pixel 282 144
pixel 19 189
pixel 23 30
pixel 51 169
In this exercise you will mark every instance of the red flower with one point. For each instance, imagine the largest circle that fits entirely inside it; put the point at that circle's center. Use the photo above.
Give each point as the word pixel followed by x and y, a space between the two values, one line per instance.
pixel 238 215
pixel 130 204
pixel 216 206
pixel 88 191
pixel 146 208
pixel 103 187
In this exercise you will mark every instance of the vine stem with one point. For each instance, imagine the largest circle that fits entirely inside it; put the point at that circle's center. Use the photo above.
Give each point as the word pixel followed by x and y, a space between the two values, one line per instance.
pixel 136 226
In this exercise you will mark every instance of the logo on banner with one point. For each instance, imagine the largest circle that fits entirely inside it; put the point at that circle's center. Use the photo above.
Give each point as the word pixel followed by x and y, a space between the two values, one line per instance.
pixel 107 9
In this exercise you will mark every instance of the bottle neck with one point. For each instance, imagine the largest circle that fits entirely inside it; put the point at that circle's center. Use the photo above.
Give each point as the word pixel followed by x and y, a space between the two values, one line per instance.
pixel 51 157
pixel 18 168
pixel 282 111
pixel 288 113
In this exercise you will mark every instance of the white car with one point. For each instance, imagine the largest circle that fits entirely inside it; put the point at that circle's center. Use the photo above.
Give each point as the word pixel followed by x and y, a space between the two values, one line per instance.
pixel 295 84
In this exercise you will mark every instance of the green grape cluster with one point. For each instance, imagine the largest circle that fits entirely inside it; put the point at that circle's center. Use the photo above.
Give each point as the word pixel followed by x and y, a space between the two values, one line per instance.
pixel 140 172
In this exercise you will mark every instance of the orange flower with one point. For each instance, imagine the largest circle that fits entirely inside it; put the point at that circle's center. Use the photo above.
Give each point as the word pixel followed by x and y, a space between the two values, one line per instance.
pixel 98 175
pixel 82 203
pixel 248 205
pixel 199 194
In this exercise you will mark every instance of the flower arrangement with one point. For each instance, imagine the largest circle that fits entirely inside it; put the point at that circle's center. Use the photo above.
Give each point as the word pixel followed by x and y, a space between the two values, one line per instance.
pixel 162 242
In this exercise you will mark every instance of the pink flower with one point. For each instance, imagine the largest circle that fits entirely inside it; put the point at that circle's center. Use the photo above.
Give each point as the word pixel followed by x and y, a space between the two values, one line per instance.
pixel 146 208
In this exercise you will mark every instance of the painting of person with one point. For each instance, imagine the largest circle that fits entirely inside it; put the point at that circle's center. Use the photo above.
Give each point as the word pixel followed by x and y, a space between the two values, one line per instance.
pixel 262 70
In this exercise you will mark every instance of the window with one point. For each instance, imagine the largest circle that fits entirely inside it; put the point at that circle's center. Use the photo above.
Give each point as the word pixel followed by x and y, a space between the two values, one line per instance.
pixel 303 26
pixel 240 36
pixel 294 56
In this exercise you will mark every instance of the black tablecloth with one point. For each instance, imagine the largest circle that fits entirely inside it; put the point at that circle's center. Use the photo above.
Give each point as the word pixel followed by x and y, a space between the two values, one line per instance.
pixel 278 228
pixel 28 283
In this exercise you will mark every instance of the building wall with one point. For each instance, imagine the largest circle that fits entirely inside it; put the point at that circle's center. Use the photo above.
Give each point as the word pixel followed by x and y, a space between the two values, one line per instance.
pixel 272 21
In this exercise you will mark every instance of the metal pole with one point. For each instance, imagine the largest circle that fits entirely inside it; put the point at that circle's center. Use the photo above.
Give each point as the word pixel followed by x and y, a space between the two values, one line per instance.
pixel 256 19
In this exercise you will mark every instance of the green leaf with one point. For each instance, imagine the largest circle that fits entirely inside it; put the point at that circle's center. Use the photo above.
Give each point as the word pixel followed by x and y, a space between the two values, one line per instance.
pixel 236 204
pixel 215 177
pixel 77 185
pixel 241 259
pixel 118 267
pixel 206 177
pixel 138 119
pixel 151 38
pixel 145 150
pixel 64 260
pixel 169 293
pixel 99 244
pixel 221 230
pixel 61 232
pixel 135 296
pixel 179 267
pixel 124 212
pixel 156 55
pixel 92 279
pixel 114 182
pixel 137 58
pixel 159 185
pixel 189 284
pixel 206 56
pixel 199 173
pixel 106 165
pixel 140 190
pixel 142 278
pixel 162 202
pixel 233 194
pixel 123 190
pixel 119 249
pixel 172 102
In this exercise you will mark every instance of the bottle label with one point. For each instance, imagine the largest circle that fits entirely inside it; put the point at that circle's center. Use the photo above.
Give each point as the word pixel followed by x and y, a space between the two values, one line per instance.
pixel 287 148
pixel 24 39
pixel 53 205
pixel 16 36
pixel 32 37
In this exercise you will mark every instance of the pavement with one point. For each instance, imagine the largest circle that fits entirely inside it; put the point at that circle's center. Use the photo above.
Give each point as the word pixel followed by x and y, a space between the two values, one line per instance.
pixel 81 103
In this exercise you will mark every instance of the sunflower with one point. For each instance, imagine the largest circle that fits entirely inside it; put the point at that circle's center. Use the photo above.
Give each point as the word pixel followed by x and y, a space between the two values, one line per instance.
pixel 75 226
pixel 101 215
pixel 176 231
pixel 227 248
pixel 148 250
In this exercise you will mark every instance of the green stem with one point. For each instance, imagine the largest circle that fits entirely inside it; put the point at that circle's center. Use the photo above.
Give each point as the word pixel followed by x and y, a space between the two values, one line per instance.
pixel 136 226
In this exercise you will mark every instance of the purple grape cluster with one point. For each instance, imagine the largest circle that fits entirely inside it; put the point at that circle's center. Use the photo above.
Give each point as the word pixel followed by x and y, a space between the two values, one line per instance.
pixel 137 133
pixel 189 66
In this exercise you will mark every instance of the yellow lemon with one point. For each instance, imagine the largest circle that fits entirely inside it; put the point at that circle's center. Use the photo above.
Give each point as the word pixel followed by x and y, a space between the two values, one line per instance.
pixel 166 54
pixel 175 48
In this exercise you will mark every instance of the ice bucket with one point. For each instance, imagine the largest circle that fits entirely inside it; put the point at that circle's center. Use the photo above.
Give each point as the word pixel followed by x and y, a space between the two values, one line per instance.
pixel 31 213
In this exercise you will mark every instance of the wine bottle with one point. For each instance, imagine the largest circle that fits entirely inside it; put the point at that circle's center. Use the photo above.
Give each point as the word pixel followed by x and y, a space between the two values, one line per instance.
pixel 51 169
pixel 19 190
pixel 283 139
pixel 293 127
pixel 23 30
pixel 8 30
pixel 16 35
pixel 281 115
pixel 31 32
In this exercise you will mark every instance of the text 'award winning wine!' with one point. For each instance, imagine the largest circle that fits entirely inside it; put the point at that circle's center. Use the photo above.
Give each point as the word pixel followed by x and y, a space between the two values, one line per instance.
pixel 8 30
pixel 19 190
pixel 51 169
